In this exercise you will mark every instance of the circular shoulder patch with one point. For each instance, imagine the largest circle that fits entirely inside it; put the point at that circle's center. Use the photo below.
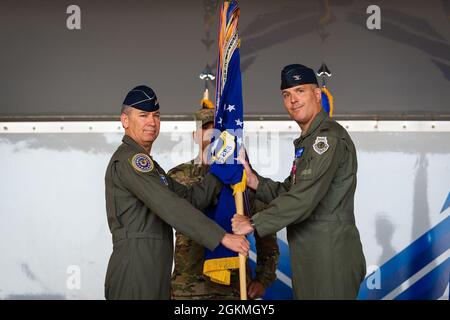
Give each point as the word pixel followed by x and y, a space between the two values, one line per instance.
pixel 142 163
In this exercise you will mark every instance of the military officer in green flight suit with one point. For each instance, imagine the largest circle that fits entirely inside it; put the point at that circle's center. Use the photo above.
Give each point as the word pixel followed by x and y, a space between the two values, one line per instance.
pixel 188 281
pixel 316 202
pixel 143 204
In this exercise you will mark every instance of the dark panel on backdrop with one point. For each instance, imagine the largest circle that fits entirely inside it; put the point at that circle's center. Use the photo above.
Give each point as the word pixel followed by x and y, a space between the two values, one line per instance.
pixel 48 70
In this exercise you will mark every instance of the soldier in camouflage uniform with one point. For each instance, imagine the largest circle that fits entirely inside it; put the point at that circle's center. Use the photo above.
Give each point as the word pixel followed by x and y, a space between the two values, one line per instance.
pixel 188 281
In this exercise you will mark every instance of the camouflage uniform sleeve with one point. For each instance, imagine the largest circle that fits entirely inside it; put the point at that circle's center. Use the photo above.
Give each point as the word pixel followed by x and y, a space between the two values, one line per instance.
pixel 200 194
pixel 267 251
pixel 177 175
pixel 267 259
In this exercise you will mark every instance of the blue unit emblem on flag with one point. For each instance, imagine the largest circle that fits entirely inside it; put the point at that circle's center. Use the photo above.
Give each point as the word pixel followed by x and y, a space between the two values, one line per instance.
pixel 226 149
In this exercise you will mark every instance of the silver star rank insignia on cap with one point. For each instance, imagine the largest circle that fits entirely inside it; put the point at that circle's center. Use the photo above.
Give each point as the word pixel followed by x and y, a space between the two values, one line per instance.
pixel 321 145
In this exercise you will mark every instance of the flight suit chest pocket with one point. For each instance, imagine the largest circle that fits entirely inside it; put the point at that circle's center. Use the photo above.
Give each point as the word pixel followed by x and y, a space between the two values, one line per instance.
pixel 304 169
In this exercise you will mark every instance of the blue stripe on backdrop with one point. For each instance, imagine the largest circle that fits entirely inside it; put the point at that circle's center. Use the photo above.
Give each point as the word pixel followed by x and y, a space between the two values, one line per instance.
pixel 409 261
pixel 430 287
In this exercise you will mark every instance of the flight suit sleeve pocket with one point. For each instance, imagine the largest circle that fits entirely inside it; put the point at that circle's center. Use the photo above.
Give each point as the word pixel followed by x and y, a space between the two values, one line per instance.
pixel 305 174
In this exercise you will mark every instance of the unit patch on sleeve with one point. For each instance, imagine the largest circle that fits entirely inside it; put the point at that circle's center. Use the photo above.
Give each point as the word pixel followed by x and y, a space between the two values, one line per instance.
pixel 142 163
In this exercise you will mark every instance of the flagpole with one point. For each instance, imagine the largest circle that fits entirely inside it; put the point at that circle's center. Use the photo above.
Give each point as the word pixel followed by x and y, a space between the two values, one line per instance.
pixel 239 201
pixel 227 43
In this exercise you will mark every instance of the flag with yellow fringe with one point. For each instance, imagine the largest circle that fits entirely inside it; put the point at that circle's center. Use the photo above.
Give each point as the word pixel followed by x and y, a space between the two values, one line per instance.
pixel 228 122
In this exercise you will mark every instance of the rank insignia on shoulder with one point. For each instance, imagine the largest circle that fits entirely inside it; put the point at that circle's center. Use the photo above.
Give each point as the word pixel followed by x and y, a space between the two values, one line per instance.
pixel 142 163
pixel 321 145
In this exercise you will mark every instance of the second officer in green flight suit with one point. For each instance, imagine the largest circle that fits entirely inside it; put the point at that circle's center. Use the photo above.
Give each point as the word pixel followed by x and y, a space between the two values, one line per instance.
pixel 316 202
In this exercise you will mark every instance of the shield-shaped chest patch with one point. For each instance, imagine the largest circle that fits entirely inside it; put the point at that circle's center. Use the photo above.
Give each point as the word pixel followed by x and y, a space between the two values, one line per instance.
pixel 321 145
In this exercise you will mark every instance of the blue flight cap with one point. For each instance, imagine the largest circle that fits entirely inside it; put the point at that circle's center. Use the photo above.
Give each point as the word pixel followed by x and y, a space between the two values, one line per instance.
pixel 296 74
pixel 142 98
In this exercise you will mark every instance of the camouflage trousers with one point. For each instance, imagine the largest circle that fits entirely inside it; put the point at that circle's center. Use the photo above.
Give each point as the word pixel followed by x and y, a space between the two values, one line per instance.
pixel 199 287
